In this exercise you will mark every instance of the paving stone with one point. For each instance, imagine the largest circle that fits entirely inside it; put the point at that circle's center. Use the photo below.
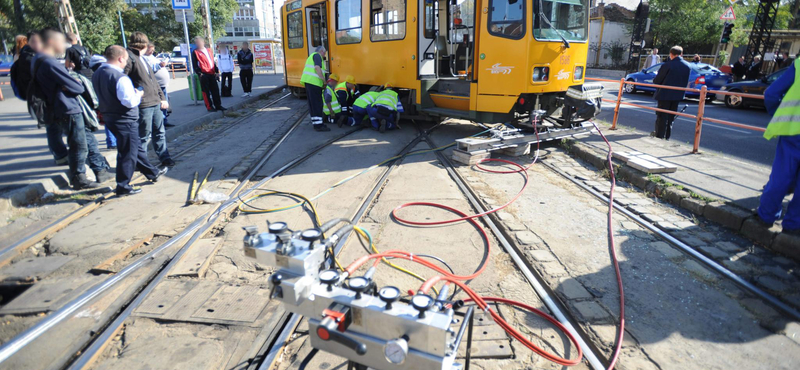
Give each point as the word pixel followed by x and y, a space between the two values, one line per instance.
pixel 697 269
pixel 527 238
pixel 651 217
pixel 504 216
pixel 794 299
pixel 792 331
pixel 693 205
pixel 630 225
pixel 674 195
pixel 666 225
pixel 641 234
pixel 714 252
pixel 782 260
pixel 623 202
pixel 553 269
pixel 515 226
pixel 729 247
pixel 639 210
pixel 788 245
pixel 608 334
pixel 693 241
pixel 755 230
pixel 591 311
pixel 726 215
pixel 706 236
pixel 573 289
pixel 667 250
pixel 778 271
pixel 489 201
pixel 739 267
pixel 541 256
pixel 773 284
pixel 686 225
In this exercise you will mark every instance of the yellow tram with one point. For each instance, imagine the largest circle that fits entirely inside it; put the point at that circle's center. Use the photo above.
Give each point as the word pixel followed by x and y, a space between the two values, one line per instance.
pixel 483 60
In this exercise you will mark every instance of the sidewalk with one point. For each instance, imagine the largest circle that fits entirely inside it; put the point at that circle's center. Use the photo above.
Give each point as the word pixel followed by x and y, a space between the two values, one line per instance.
pixel 26 164
pixel 719 188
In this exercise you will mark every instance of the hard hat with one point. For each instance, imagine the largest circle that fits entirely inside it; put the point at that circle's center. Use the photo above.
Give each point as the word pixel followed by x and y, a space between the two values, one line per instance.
pixel 333 76
pixel 387 85
pixel 350 80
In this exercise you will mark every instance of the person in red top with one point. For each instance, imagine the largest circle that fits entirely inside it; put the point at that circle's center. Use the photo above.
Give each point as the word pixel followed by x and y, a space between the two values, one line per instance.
pixel 203 65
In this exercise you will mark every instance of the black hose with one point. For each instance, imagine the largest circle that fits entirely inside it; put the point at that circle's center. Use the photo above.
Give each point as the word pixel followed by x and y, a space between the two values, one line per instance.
pixel 330 224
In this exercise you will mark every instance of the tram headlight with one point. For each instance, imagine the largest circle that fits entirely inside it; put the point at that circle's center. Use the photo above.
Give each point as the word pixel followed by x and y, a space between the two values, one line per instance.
pixel 578 73
pixel 540 74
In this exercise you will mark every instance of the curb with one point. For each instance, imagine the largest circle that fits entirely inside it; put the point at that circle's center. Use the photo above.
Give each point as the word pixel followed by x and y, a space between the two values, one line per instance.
pixel 20 197
pixel 742 221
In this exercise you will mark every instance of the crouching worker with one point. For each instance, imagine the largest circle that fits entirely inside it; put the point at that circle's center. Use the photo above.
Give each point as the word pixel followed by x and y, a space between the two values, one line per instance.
pixel 346 94
pixel 361 107
pixel 383 114
pixel 119 103
pixel 330 104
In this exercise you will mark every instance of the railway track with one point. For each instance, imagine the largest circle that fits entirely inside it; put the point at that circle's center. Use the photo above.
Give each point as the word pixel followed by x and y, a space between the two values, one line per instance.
pixel 272 346
pixel 8 253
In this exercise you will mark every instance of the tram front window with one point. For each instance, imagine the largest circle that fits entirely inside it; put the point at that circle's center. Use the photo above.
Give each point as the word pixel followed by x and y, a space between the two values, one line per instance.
pixel 567 17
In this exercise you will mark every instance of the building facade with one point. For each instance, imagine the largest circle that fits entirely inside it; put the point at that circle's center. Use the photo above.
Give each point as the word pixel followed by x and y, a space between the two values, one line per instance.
pixel 255 20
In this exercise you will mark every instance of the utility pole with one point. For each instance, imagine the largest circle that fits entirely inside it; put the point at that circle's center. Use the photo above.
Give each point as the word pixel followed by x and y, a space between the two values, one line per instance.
pixel 209 29
pixel 66 19
pixel 122 30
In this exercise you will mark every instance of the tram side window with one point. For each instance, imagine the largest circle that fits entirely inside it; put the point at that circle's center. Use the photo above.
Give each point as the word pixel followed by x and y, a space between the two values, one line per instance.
pixel 348 21
pixel 294 23
pixel 388 20
pixel 507 18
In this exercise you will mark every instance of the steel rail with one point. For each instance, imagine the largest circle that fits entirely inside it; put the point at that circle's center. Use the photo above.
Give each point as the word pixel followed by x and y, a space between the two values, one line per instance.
pixel 7 253
pixel 294 319
pixel 541 287
pixel 11 347
pixel 93 350
pixel 768 298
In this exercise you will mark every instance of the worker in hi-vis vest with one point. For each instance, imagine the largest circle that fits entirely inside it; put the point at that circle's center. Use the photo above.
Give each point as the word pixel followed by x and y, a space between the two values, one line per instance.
pixel 782 99
pixel 314 80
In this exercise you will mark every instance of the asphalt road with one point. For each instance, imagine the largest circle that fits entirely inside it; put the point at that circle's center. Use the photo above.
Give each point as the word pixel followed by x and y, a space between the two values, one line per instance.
pixel 736 142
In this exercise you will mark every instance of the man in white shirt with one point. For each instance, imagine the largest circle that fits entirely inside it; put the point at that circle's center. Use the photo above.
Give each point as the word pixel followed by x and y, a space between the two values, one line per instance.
pixel 225 63
pixel 652 59
pixel 119 104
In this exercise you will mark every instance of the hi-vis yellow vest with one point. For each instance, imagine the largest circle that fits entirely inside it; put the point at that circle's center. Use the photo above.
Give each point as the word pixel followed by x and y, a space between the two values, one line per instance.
pixel 342 86
pixel 310 73
pixel 366 100
pixel 786 121
pixel 334 102
pixel 387 98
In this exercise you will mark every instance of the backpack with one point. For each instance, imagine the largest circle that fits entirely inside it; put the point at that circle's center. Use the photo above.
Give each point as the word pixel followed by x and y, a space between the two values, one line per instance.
pixel 21 75
pixel 38 106
pixel 85 57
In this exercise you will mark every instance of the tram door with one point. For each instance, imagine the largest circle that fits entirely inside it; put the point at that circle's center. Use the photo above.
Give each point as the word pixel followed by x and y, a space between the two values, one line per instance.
pixel 317 30
pixel 428 33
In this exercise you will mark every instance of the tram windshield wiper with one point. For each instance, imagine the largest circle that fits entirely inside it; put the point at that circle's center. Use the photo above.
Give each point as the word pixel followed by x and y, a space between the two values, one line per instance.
pixel 557 31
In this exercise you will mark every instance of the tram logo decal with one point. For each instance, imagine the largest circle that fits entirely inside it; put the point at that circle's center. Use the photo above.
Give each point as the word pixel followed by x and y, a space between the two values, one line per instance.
pixel 562 75
pixel 497 69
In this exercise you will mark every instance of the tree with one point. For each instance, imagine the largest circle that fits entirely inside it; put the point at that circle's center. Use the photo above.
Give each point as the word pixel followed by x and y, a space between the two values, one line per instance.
pixel 221 14
pixel 97 22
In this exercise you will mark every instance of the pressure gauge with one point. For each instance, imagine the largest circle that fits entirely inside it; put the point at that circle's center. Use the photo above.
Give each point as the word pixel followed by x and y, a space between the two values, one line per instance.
pixel 278 227
pixel 311 235
pixel 389 295
pixel 422 302
pixel 396 351
pixel 358 284
pixel 329 277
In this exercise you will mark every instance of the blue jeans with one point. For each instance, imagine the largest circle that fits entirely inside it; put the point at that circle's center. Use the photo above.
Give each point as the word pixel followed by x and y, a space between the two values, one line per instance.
pixel 151 126
pixel 784 177
pixel 55 142
pixel 375 117
pixel 164 111
pixel 111 140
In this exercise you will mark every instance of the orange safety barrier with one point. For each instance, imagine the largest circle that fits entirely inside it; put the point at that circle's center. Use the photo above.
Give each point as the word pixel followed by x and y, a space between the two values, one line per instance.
pixel 699 117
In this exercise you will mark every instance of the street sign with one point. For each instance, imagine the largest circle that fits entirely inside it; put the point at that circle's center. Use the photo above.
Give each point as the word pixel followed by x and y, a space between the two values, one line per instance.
pixel 189 16
pixel 728 15
pixel 181 4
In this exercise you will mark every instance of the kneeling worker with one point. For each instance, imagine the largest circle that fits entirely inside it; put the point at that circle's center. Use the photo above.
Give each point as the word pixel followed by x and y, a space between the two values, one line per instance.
pixel 330 104
pixel 383 113
pixel 119 103
pixel 346 94
pixel 361 106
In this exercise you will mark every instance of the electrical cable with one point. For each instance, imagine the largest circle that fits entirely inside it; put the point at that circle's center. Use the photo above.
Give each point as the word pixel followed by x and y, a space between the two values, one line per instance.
pixel 613 251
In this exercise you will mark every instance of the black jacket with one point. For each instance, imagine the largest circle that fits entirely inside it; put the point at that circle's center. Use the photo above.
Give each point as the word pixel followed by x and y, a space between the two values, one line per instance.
pixel 674 72
pixel 21 70
pixel 753 71
pixel 144 77
pixel 738 69
pixel 245 59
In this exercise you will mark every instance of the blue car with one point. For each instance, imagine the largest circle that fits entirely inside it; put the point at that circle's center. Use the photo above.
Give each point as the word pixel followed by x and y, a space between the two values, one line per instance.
pixel 5 64
pixel 701 74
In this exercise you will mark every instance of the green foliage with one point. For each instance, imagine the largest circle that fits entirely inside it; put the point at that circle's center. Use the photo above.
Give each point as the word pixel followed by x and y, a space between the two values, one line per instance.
pixel 97 22
pixel 221 14
pixel 616 51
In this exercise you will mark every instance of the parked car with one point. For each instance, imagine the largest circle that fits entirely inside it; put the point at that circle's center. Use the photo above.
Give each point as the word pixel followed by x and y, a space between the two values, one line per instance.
pixel 5 64
pixel 756 87
pixel 701 74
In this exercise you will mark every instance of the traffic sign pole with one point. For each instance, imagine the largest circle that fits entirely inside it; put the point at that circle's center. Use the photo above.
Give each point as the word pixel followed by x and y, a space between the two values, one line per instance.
pixel 189 68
